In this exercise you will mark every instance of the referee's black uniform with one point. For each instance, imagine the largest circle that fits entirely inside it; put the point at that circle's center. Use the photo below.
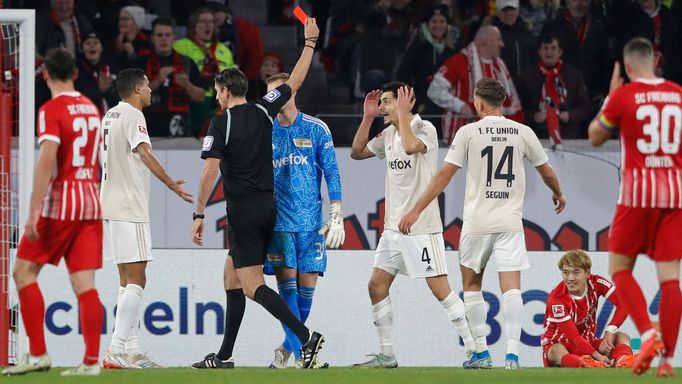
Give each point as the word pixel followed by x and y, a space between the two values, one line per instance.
pixel 242 139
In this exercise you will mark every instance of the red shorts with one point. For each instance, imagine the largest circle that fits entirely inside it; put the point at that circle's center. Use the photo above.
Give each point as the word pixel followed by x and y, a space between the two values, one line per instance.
pixel 78 242
pixel 572 349
pixel 653 231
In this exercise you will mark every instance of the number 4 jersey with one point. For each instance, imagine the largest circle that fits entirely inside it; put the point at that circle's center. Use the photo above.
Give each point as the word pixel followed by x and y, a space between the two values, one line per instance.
pixel 492 151
pixel 649 114
pixel 72 121
pixel 125 179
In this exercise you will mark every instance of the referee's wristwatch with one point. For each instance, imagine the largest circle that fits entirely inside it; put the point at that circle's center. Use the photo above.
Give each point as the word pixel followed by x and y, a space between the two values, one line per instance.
pixel 197 216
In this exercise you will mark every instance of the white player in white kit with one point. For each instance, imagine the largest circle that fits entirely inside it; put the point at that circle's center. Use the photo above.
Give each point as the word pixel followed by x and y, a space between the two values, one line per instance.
pixel 409 146
pixel 492 149
pixel 127 160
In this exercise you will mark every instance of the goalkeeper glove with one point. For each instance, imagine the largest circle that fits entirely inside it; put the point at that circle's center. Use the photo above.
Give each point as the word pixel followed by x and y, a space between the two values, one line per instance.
pixel 334 229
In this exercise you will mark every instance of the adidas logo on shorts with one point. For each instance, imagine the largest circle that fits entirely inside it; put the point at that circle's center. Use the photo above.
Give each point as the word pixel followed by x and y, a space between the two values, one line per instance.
pixel 429 269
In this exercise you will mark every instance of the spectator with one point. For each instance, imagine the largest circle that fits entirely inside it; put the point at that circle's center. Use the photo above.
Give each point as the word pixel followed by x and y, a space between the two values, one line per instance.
pixel 452 87
pixel 241 36
pixel 95 76
pixel 537 12
pixel 435 42
pixel 382 39
pixel 519 43
pixel 210 56
pixel 585 44
pixel 271 64
pixel 654 21
pixel 174 80
pixel 132 42
pixel 104 17
pixel 60 25
pixel 553 95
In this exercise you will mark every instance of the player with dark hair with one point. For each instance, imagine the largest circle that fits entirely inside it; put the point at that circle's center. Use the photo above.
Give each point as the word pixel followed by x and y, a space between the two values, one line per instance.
pixel 64 216
pixel 570 335
pixel 127 160
pixel 648 215
pixel 239 145
pixel 492 149
pixel 410 147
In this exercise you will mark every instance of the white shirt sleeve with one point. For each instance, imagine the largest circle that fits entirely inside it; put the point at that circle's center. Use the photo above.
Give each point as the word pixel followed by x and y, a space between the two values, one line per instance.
pixel 534 151
pixel 439 93
pixel 136 130
pixel 426 133
pixel 376 145
pixel 457 154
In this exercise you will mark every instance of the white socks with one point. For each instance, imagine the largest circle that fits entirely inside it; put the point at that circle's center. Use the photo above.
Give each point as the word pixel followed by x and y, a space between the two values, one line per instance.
pixel 454 307
pixel 476 313
pixel 382 315
pixel 127 316
pixel 512 307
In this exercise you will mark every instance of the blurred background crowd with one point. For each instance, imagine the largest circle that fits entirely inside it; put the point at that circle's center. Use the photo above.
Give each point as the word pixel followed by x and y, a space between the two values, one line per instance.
pixel 554 56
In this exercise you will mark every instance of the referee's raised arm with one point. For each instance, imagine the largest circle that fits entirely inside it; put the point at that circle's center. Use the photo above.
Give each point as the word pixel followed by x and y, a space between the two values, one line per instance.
pixel 300 71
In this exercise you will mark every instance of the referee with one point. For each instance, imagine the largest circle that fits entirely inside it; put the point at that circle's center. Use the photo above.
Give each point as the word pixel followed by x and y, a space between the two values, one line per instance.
pixel 239 142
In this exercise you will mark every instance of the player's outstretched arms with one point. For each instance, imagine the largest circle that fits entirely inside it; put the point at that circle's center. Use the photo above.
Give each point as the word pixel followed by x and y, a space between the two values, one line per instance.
pixel 370 110
pixel 311 32
pixel 144 150
pixel 437 184
pixel 598 133
pixel 208 175
pixel 552 181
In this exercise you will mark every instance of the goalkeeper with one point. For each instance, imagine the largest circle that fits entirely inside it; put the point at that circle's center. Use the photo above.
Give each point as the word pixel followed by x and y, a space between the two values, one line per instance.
pixel 302 152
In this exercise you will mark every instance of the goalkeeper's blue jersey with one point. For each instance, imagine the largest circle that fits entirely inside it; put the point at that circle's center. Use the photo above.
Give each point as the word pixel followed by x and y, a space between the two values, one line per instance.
pixel 301 154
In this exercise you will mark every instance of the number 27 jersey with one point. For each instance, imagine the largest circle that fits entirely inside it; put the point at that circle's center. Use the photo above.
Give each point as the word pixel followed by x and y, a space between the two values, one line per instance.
pixel 649 114
pixel 72 121
pixel 492 151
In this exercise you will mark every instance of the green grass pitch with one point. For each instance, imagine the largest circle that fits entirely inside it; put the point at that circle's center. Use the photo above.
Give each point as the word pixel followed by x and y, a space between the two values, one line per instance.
pixel 348 375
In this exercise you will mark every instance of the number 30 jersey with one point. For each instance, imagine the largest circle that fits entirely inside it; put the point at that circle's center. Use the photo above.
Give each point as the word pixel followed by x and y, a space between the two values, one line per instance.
pixel 125 182
pixel 72 121
pixel 492 151
pixel 649 114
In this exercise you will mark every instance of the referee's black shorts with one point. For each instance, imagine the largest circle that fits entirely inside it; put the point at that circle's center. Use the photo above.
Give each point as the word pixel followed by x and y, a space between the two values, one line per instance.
pixel 252 219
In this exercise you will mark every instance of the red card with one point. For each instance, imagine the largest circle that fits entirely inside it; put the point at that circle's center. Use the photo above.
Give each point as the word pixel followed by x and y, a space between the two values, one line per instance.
pixel 300 15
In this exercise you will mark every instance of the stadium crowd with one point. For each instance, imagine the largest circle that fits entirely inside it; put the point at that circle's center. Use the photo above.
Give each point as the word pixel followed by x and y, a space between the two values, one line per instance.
pixel 555 56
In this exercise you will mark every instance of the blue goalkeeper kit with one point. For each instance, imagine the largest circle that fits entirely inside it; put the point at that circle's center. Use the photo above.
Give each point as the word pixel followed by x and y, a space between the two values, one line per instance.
pixel 301 154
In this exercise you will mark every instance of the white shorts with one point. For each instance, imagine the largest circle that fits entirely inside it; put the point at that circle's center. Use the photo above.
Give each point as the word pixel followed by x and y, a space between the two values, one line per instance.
pixel 412 255
pixel 127 242
pixel 508 249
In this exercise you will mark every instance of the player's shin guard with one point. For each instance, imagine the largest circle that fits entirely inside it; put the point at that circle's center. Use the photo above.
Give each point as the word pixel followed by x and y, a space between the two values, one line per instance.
pixel 32 307
pixel 289 292
pixel 126 317
pixel 512 307
pixel 274 304
pixel 305 301
pixel 382 315
pixel 475 309
pixel 670 314
pixel 454 307
pixel 570 361
pixel 91 317
pixel 634 303
pixel 234 313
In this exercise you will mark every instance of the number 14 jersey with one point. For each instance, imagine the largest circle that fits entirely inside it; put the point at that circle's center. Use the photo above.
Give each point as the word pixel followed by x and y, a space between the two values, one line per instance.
pixel 72 121
pixel 649 114
pixel 492 151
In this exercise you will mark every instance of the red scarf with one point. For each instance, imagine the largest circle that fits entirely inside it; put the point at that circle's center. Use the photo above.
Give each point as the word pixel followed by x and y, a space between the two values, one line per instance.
pixel 554 94
pixel 211 67
pixel 580 29
pixel 178 100
pixel 74 27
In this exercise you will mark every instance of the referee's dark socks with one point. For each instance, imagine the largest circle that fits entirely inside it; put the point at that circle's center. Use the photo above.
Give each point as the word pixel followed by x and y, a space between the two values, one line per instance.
pixel 234 312
pixel 277 307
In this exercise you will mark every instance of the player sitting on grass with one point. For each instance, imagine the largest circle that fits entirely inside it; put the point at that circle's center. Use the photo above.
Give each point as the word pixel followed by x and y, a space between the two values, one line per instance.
pixel 571 320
